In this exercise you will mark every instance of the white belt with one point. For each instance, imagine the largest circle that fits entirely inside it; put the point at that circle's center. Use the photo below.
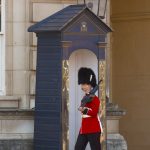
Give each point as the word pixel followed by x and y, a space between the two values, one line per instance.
pixel 85 116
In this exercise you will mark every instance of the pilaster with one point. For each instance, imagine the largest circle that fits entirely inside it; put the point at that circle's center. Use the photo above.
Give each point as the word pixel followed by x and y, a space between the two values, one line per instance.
pixel 115 141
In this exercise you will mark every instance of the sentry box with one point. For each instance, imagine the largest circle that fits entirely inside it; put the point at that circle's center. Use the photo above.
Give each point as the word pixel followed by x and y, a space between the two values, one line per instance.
pixel 71 38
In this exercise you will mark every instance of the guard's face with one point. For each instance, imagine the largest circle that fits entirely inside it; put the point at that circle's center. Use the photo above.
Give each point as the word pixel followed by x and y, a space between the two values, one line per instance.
pixel 86 88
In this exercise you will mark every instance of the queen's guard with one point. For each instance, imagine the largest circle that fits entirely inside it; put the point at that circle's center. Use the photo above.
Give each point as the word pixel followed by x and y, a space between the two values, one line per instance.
pixel 90 127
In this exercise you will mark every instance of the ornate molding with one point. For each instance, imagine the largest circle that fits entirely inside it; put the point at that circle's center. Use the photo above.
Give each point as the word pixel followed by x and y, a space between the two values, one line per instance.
pixel 130 16
pixel 66 44
pixel 102 44
pixel 9 102
pixel 102 95
pixel 113 110
pixel 65 104
pixel 16 114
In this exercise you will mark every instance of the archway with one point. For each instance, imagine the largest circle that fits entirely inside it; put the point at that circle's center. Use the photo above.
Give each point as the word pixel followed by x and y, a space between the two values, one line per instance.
pixel 79 58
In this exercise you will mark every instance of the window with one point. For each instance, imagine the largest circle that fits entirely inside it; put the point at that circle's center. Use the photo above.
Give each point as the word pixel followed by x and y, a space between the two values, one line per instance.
pixel 2 16
pixel 0 13
pixel 2 47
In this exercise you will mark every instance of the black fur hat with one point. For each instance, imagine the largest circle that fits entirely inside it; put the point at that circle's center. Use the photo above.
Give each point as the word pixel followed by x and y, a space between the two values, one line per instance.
pixel 86 75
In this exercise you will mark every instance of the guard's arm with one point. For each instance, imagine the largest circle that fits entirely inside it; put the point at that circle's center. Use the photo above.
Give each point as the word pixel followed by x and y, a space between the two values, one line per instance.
pixel 94 108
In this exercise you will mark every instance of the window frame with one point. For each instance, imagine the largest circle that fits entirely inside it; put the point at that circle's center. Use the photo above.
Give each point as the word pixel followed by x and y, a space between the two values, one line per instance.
pixel 2 31
pixel 2 49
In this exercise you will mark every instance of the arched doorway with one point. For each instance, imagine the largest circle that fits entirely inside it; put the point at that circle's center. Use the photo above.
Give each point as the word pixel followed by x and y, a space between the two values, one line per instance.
pixel 79 58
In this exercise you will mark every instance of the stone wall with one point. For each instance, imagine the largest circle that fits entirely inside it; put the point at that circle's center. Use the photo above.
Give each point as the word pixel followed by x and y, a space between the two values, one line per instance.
pixel 16 129
pixel 16 122
pixel 17 51
pixel 16 117
pixel 16 144
pixel 131 71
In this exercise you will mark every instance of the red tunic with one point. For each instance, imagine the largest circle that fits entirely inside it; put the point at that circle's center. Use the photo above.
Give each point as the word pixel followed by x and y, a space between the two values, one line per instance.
pixel 91 124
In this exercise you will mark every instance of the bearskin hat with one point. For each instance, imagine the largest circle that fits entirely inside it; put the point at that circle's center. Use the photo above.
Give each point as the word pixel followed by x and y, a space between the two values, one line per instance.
pixel 86 76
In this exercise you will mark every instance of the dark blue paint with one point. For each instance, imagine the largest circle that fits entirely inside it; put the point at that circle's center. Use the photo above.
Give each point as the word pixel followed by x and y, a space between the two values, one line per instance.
pixel 64 17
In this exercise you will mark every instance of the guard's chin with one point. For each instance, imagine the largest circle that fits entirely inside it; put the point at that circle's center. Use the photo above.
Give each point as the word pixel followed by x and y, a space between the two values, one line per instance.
pixel 87 92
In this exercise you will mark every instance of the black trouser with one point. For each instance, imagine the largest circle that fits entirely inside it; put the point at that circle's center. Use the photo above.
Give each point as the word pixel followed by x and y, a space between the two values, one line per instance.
pixel 92 138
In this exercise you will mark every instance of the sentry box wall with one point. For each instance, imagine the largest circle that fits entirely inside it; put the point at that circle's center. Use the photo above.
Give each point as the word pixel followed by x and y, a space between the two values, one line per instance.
pixel 74 27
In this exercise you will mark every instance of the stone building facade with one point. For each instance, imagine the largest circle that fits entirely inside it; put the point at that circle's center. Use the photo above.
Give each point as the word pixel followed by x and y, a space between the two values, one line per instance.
pixel 18 67
pixel 128 68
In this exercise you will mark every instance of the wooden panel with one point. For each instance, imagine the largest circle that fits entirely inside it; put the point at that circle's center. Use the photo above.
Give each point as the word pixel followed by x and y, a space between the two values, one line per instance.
pixel 48 93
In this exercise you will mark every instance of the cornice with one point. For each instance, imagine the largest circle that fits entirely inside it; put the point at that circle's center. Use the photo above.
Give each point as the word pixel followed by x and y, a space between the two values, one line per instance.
pixel 133 16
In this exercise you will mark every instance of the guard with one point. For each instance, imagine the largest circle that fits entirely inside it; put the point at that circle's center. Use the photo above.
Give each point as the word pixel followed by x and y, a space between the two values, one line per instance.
pixel 90 127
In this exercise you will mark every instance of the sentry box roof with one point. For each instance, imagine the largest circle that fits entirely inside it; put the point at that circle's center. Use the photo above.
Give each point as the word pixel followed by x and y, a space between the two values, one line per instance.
pixel 64 17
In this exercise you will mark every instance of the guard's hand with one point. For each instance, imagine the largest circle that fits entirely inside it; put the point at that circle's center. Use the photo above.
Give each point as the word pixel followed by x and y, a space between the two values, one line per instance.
pixel 81 109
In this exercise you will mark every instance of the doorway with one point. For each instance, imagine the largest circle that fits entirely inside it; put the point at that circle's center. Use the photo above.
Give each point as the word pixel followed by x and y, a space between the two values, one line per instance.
pixel 79 58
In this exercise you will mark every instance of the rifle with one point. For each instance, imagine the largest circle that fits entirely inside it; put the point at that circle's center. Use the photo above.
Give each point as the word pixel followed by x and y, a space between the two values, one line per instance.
pixel 89 97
